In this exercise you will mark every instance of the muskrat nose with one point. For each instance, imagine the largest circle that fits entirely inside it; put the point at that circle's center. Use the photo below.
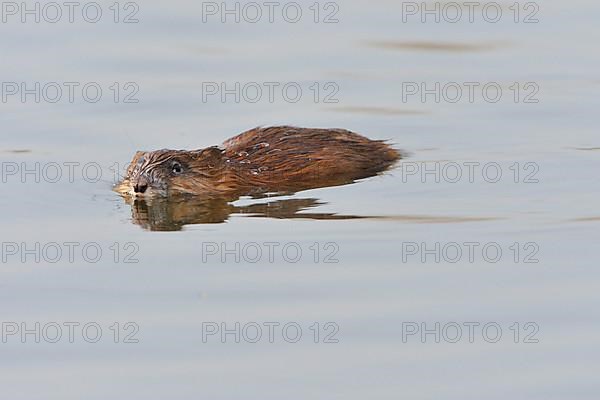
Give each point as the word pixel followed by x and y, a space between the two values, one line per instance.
pixel 140 186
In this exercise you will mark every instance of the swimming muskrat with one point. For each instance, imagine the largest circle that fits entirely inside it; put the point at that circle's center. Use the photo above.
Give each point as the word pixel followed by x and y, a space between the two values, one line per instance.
pixel 282 159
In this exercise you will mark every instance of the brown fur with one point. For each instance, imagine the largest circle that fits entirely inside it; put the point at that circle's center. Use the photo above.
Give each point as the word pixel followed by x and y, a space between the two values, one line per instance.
pixel 280 159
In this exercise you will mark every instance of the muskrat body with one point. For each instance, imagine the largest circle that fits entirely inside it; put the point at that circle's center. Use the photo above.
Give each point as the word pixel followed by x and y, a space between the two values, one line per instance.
pixel 280 159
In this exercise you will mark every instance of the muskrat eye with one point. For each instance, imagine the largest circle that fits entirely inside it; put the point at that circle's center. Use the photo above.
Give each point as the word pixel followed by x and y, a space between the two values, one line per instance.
pixel 176 168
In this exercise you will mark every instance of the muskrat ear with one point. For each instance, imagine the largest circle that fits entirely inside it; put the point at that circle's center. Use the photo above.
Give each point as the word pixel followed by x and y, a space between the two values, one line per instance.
pixel 134 161
pixel 137 156
pixel 213 156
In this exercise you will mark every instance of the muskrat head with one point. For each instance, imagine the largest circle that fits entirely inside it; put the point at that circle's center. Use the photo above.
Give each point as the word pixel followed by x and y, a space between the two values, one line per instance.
pixel 165 172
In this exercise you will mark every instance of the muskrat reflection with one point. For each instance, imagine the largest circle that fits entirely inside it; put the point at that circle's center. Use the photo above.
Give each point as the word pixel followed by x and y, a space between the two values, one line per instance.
pixel 169 214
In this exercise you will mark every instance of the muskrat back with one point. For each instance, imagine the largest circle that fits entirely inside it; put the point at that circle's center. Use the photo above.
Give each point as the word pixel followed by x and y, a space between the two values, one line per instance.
pixel 272 159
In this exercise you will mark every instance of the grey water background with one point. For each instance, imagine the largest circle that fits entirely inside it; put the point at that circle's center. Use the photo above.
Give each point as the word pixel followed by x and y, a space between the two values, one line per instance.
pixel 375 286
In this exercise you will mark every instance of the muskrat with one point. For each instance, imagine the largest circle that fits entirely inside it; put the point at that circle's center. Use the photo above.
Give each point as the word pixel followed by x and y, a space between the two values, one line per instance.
pixel 281 159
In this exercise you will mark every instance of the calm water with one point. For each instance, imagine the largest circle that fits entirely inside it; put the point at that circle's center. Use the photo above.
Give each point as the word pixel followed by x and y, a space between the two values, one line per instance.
pixel 373 279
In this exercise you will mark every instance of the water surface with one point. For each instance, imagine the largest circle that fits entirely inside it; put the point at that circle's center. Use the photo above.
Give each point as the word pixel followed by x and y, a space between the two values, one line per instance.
pixel 178 284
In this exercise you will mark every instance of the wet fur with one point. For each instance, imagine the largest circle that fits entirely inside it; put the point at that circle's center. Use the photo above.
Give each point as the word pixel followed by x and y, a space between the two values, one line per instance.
pixel 281 159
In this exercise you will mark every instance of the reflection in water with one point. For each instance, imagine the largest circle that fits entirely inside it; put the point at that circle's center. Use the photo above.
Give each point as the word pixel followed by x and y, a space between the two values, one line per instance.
pixel 587 219
pixel 171 214
pixel 376 110
pixel 455 47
